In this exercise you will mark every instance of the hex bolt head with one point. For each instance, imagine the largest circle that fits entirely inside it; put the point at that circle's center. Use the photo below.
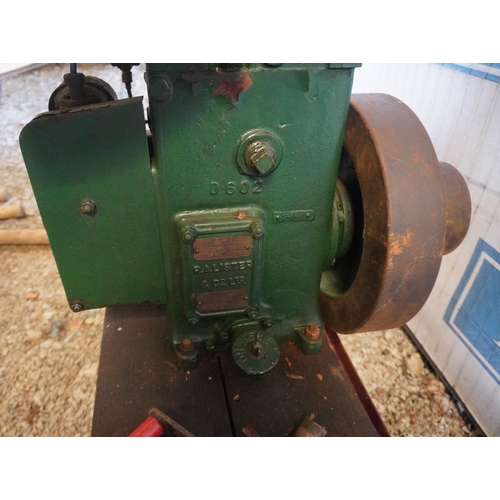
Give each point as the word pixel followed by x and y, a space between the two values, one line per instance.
pixel 192 319
pixel 88 207
pixel 260 156
pixel 76 307
pixel 313 332
pixel 224 337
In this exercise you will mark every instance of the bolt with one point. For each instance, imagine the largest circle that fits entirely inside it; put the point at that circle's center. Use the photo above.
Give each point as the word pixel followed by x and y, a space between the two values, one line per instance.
pixel 192 319
pixel 257 349
pixel 260 156
pixel 76 307
pixel 268 323
pixel 159 87
pixel 313 332
pixel 187 234
pixel 224 336
pixel 186 344
pixel 257 229
pixel 209 346
pixel 252 313
pixel 87 207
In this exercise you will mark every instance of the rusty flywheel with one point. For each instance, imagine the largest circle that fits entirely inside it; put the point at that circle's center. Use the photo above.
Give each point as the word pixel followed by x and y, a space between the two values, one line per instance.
pixel 405 218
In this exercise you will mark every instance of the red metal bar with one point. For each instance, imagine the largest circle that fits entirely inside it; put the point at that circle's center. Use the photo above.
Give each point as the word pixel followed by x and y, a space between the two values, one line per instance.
pixel 149 428
pixel 338 349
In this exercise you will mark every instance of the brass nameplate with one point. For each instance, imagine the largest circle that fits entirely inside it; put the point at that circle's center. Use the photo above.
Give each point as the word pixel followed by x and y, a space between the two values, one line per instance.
pixel 222 248
pixel 222 301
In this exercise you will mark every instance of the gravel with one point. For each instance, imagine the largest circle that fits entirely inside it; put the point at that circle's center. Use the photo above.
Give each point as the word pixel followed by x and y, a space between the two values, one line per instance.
pixel 49 355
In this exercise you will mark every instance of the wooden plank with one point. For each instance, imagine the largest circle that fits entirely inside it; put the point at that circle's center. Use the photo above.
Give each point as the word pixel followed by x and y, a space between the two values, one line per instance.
pixel 137 372
pixel 275 403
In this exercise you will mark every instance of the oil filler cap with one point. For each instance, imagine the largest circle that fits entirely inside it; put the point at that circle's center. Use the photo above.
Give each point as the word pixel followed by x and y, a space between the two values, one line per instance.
pixel 255 352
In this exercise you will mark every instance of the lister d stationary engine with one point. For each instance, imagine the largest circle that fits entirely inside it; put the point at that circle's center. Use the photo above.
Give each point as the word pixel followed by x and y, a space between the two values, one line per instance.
pixel 258 202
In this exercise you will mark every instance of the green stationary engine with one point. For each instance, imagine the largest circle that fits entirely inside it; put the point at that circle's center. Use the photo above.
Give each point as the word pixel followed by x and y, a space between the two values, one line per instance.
pixel 256 202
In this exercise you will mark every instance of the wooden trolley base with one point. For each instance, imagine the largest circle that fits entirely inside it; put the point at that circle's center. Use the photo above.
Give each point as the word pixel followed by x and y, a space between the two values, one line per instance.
pixel 137 371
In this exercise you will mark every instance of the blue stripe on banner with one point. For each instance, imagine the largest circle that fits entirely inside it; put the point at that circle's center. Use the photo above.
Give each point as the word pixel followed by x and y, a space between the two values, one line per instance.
pixel 474 72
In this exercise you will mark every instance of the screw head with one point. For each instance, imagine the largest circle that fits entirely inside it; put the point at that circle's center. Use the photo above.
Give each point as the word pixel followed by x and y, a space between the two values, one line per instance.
pixel 88 207
pixel 260 156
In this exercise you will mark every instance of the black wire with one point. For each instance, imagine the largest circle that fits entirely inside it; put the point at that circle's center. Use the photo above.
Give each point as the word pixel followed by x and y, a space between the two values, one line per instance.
pixel 72 68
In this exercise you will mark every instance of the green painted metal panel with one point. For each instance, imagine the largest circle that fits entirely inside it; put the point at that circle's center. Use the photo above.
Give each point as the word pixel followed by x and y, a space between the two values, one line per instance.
pixel 98 153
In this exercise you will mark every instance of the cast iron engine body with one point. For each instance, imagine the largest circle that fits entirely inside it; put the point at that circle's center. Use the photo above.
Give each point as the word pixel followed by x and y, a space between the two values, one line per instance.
pixel 243 196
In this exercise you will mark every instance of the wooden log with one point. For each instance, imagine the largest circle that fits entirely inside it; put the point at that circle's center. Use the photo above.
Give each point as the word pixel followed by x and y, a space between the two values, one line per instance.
pixel 23 237
pixel 11 211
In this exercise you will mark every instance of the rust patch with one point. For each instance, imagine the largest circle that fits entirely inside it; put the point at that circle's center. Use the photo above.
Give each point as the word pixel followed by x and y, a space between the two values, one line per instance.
pixel 222 301
pixel 232 84
pixel 221 248
pixel 400 242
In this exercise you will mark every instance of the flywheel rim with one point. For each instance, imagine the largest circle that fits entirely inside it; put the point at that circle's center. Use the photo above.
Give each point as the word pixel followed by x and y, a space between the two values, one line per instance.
pixel 403 217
